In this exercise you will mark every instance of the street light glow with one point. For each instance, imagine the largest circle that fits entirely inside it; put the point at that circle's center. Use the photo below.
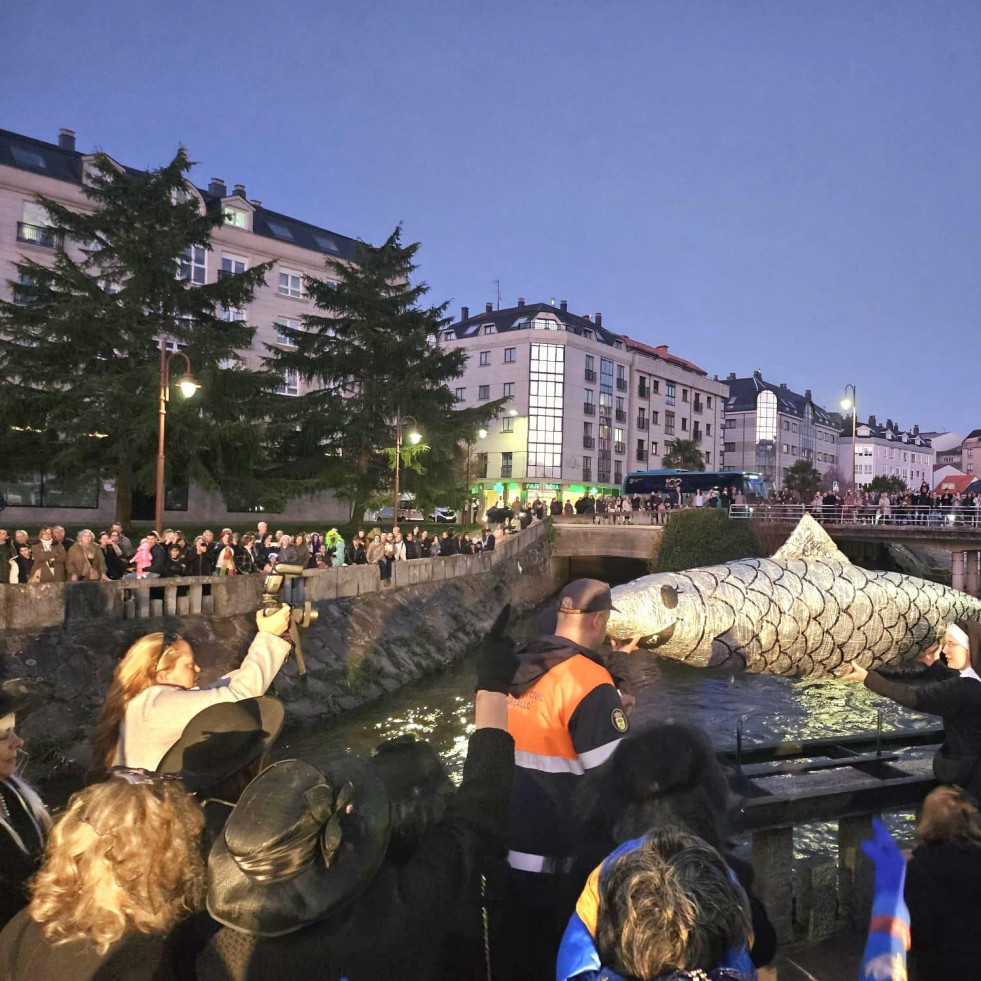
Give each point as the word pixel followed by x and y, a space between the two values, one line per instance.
pixel 482 434
pixel 512 412
pixel 414 438
pixel 188 385
pixel 846 404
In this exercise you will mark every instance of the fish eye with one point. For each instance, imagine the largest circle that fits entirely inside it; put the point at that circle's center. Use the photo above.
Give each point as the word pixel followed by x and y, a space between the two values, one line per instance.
pixel 669 597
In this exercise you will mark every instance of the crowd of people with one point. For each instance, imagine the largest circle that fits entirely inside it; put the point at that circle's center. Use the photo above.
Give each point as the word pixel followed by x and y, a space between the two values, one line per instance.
pixel 574 848
pixel 53 557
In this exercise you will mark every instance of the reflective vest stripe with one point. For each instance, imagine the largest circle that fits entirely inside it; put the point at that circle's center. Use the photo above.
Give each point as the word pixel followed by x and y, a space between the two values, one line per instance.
pixel 547 764
pixel 598 756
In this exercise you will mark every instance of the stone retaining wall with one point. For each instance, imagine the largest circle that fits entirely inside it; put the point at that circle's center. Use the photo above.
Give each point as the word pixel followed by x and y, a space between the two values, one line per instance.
pixel 370 638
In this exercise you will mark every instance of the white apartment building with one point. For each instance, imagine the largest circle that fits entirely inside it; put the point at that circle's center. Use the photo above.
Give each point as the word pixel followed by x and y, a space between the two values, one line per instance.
pixel 888 451
pixel 768 428
pixel 585 405
pixel 251 235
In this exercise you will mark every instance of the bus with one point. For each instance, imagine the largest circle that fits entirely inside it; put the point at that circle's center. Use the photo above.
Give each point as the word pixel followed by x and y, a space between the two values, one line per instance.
pixel 663 482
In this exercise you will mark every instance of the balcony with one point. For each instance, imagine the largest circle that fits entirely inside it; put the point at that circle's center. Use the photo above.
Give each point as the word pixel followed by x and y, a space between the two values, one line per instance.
pixel 619 447
pixel 590 375
pixel 40 235
pixel 621 384
pixel 505 473
pixel 642 422
pixel 588 442
pixel 643 391
pixel 621 415
pixel 587 476
pixel 696 434
pixel 604 476
pixel 669 430
pixel 697 405
pixel 589 408
pixel 642 456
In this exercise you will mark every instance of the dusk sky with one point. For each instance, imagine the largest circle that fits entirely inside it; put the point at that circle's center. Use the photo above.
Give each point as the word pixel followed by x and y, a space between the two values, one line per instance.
pixel 792 186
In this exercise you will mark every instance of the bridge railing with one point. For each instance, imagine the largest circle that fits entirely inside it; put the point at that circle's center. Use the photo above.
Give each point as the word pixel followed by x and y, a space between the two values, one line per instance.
pixel 955 518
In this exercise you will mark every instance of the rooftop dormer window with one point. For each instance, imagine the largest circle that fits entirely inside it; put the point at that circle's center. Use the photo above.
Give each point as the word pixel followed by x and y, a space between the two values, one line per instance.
pixel 236 217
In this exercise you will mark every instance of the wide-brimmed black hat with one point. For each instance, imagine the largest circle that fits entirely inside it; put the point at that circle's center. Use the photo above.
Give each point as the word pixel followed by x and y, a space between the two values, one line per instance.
pixel 19 695
pixel 222 740
pixel 298 846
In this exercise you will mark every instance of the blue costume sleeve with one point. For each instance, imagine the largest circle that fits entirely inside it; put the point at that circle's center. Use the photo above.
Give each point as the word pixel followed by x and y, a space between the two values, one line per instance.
pixel 889 936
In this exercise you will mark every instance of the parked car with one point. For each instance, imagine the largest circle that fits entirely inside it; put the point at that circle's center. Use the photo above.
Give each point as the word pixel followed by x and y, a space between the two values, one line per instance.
pixel 447 515
pixel 405 514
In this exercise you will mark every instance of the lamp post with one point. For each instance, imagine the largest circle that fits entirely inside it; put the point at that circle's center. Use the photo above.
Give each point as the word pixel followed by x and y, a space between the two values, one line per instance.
pixel 188 387
pixel 851 402
pixel 481 434
pixel 414 438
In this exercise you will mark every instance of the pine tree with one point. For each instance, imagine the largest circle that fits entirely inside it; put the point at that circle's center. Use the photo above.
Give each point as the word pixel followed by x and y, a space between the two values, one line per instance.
pixel 80 360
pixel 370 356
pixel 684 454
pixel 803 478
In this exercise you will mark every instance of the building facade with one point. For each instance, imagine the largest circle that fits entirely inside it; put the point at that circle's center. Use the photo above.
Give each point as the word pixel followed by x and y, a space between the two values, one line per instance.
pixel 971 452
pixel 251 235
pixel 586 405
pixel 888 451
pixel 768 428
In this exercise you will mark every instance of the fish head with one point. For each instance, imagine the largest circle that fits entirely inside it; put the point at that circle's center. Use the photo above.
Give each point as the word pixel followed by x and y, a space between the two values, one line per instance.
pixel 661 609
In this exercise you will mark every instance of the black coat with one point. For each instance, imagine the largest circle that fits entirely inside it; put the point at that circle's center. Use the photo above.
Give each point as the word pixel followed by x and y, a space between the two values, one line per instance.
pixel 201 564
pixel 943 892
pixel 447 546
pixel 115 564
pixel 17 864
pixel 418 919
pixel 158 559
pixel 957 701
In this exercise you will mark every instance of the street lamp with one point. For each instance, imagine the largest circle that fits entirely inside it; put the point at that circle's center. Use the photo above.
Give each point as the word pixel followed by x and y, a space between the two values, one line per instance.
pixel 481 434
pixel 188 387
pixel 414 438
pixel 851 402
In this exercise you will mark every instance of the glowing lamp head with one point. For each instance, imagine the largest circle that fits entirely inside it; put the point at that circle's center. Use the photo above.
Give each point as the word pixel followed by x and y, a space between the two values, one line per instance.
pixel 512 413
pixel 482 434
pixel 846 404
pixel 188 385
pixel 414 438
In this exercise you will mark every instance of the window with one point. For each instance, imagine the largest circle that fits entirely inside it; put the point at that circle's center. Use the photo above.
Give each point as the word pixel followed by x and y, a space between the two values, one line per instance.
pixel 507 424
pixel 708 429
pixel 589 395
pixel 684 424
pixel 483 391
pixel 786 447
pixel 587 467
pixel 620 404
pixel 654 448
pixel 730 447
pixel 290 283
pixel 506 464
pixel 618 435
pixel 490 329
pixel 291 384
pixel 546 397
pixel 509 355
pixel 509 390
pixel 191 266
pixel 618 471
pixel 655 417
pixel 669 422
pixel 708 401
pixel 590 363
pixel 229 315
pixel 587 429
pixel 280 231
pixel 484 358
pixel 587 334
pixel 786 425
pixel 684 395
pixel 766 417
pixel 708 457
pixel 460 393
pixel 669 393
pixel 281 337
pixel 27 157
pixel 236 217
pixel 327 244
pixel 231 265
pixel 655 386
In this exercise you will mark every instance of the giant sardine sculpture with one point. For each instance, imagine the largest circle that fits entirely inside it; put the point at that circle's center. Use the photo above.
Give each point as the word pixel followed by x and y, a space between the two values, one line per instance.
pixel 804 612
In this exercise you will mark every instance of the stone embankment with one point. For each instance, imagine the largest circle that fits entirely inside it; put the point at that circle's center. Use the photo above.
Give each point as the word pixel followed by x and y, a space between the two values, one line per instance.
pixel 370 638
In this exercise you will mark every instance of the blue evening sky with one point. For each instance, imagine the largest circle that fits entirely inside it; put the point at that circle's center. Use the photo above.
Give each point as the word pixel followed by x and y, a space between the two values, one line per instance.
pixel 789 185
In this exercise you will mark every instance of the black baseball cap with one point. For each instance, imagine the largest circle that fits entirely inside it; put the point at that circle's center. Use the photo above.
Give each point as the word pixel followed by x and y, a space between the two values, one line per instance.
pixel 586 596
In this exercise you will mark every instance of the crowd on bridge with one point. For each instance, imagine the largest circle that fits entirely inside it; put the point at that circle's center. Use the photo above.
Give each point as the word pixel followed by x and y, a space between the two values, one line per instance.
pixel 111 555
pixel 574 847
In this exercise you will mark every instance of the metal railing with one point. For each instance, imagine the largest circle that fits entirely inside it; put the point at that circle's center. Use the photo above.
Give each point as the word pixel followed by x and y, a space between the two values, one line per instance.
pixel 642 422
pixel 619 447
pixel 621 415
pixel 590 375
pixel 588 442
pixel 589 408
pixel 42 235
pixel 935 518
pixel 622 384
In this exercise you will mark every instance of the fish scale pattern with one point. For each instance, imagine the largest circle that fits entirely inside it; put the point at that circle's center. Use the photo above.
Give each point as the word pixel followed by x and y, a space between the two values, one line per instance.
pixel 802 617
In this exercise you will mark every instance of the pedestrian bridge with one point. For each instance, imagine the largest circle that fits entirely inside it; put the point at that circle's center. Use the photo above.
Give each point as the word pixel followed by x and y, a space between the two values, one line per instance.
pixel 575 539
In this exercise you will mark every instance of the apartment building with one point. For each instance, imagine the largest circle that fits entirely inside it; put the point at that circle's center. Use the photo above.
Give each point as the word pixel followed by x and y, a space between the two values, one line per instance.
pixel 971 452
pixel 585 404
pixel 946 448
pixel 888 451
pixel 769 427
pixel 251 234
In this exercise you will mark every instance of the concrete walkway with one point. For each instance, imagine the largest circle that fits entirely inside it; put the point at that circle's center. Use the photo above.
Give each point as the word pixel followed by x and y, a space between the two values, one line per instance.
pixel 835 959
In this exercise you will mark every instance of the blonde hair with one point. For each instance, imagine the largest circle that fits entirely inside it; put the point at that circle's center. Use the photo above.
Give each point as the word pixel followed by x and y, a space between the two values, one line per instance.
pixel 123 857
pixel 136 672
pixel 948 816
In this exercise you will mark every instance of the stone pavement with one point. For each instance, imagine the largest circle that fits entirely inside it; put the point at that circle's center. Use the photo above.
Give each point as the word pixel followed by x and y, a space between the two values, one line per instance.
pixel 835 959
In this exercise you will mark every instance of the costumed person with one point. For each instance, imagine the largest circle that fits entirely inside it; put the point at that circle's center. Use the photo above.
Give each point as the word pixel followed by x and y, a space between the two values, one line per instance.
pixel 567 718
pixel 943 887
pixel 24 820
pixel 121 870
pixel 955 696
pixel 664 907
pixel 334 544
pixel 154 692
pixel 884 957
pixel 666 776
pixel 303 880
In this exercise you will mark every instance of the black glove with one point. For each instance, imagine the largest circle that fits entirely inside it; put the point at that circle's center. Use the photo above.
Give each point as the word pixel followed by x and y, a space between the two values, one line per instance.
pixel 497 658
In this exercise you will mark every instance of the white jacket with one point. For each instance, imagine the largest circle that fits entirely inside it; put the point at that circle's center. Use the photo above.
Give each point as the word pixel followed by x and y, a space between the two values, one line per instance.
pixel 156 718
